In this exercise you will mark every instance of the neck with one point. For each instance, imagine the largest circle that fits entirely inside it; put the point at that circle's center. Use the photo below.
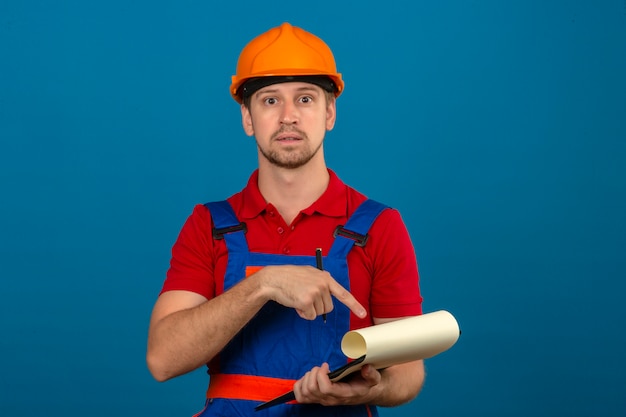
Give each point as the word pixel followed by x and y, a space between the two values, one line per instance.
pixel 293 190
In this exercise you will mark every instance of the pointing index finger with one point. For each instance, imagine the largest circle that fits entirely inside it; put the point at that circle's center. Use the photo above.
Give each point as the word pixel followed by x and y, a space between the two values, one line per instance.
pixel 347 299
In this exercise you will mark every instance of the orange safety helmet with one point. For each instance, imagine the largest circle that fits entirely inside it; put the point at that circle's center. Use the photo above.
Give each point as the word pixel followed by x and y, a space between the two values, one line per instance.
pixel 284 52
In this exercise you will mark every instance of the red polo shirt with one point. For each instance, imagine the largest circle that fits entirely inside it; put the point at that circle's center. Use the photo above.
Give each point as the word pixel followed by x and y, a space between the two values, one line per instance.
pixel 383 274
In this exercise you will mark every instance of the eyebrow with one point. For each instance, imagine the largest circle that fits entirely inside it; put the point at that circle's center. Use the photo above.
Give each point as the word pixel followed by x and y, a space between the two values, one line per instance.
pixel 299 89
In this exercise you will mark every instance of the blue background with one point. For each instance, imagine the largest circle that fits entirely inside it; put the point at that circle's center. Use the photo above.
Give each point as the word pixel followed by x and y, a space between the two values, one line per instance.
pixel 497 128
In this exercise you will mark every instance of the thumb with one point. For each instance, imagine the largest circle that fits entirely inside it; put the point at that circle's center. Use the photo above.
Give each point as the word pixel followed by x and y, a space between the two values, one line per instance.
pixel 371 375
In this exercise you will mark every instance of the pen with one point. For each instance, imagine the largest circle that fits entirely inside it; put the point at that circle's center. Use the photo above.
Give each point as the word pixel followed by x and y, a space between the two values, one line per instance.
pixel 320 266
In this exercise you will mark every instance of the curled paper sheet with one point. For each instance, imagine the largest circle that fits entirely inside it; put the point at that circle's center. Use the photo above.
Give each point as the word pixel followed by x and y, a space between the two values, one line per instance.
pixel 400 341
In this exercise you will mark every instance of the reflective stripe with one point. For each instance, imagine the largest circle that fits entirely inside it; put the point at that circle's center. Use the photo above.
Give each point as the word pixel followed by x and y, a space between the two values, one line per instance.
pixel 247 387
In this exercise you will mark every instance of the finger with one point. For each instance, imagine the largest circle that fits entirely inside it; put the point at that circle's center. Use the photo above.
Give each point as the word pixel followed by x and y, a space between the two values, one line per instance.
pixel 327 303
pixel 308 314
pixel 371 375
pixel 306 387
pixel 314 381
pixel 322 380
pixel 347 299
pixel 299 389
pixel 319 305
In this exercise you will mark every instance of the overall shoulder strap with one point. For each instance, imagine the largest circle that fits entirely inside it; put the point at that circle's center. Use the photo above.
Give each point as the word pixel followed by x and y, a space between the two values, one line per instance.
pixel 226 226
pixel 355 231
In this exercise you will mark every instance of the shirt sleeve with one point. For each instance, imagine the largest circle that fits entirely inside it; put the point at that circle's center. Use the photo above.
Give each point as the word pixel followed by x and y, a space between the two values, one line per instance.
pixel 395 285
pixel 191 266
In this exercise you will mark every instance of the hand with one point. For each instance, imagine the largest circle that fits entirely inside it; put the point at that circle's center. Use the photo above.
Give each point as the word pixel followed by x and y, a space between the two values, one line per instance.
pixel 316 387
pixel 306 289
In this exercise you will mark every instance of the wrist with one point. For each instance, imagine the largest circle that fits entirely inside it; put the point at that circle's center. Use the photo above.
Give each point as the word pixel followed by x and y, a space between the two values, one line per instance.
pixel 258 285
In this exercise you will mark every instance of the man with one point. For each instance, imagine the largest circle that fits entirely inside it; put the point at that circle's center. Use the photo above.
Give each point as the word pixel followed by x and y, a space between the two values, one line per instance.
pixel 245 293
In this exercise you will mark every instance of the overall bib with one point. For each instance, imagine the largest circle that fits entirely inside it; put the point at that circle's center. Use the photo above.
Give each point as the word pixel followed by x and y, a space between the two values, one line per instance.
pixel 277 347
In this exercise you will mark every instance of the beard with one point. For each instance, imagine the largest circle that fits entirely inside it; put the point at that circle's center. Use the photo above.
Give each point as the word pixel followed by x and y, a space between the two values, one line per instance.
pixel 290 157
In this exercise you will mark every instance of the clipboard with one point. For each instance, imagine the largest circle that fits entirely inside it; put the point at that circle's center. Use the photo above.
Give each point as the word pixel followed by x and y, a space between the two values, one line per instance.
pixel 334 376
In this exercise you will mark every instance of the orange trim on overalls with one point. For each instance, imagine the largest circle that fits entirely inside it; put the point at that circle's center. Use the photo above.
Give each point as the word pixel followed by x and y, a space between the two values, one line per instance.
pixel 252 270
pixel 247 387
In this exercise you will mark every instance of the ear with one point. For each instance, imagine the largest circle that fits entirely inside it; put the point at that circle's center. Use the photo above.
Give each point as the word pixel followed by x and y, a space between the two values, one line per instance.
pixel 246 121
pixel 331 114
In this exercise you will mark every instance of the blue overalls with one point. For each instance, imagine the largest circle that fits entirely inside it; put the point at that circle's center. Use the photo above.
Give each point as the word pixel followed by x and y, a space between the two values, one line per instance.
pixel 277 343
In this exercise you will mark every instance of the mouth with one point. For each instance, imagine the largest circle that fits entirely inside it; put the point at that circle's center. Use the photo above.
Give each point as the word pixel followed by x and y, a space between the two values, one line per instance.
pixel 289 136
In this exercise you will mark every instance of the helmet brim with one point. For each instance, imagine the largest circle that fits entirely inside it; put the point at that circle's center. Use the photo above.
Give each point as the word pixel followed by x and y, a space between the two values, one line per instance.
pixel 253 85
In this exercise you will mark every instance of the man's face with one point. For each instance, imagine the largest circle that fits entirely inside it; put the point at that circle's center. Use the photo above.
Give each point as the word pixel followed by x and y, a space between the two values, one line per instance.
pixel 289 121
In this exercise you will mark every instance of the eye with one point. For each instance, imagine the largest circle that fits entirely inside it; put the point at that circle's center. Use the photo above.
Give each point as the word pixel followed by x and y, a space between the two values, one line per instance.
pixel 306 99
pixel 270 100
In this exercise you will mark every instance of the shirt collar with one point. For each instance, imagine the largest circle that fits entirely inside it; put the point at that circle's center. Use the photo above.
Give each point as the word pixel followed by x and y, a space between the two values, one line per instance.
pixel 331 203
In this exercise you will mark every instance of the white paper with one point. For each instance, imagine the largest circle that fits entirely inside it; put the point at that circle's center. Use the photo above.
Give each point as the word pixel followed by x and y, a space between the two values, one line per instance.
pixel 400 341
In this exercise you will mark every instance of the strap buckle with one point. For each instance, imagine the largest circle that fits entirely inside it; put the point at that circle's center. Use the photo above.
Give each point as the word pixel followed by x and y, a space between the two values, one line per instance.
pixel 219 233
pixel 359 239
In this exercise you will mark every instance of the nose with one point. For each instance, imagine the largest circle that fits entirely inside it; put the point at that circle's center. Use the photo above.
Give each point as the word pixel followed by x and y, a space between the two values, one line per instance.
pixel 289 113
